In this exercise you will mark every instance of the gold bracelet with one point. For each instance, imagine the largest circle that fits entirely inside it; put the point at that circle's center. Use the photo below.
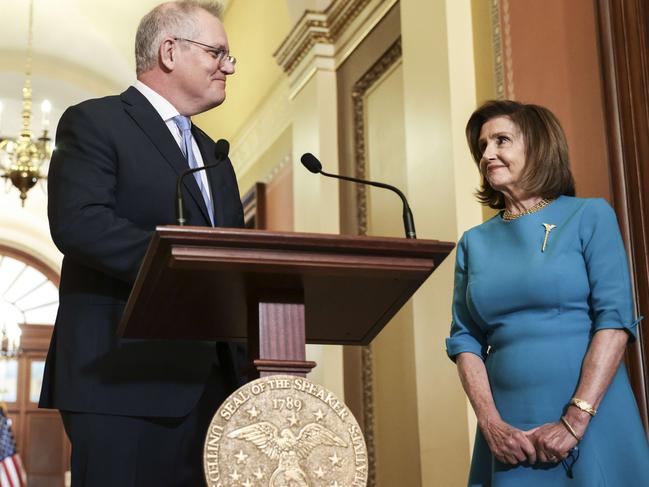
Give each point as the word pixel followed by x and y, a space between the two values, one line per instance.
pixel 570 428
pixel 583 405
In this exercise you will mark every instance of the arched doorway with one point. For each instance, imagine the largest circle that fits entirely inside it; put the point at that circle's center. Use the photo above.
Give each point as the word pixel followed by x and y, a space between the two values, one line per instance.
pixel 29 299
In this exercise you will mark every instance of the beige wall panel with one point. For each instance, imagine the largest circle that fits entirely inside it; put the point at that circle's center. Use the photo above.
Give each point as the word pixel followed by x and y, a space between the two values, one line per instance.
pixel 439 87
pixel 395 396
pixel 315 130
pixel 385 139
pixel 315 204
pixel 349 73
pixel 356 65
pixel 485 77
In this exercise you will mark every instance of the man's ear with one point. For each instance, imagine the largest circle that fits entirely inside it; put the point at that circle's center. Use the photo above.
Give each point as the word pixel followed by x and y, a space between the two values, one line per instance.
pixel 167 54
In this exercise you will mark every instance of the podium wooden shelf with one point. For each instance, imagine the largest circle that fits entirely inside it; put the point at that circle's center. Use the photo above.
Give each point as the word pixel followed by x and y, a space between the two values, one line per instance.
pixel 278 290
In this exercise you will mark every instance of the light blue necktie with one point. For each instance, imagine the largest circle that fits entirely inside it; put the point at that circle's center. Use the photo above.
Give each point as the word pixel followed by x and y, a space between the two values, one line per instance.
pixel 185 126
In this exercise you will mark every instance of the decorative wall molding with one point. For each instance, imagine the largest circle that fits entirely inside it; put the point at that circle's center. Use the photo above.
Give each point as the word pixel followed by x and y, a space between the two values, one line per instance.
pixel 501 40
pixel 284 161
pixel 317 28
pixel 496 43
pixel 261 131
pixel 311 29
pixel 507 50
pixel 367 376
pixel 359 90
pixel 378 69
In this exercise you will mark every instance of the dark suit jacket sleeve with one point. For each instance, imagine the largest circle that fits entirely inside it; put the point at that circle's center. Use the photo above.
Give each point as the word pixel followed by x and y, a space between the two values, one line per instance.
pixel 81 203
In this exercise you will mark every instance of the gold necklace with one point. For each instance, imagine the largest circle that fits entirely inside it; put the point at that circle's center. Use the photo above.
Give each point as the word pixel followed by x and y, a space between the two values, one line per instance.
pixel 508 215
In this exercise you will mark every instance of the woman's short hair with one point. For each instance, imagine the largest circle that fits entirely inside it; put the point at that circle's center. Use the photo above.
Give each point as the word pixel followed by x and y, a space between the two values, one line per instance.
pixel 168 19
pixel 547 164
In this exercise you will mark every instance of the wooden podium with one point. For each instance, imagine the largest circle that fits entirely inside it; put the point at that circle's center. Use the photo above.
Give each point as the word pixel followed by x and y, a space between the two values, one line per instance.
pixel 276 290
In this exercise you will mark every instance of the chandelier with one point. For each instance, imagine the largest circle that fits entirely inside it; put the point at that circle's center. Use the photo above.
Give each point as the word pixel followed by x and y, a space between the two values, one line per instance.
pixel 23 157
pixel 9 340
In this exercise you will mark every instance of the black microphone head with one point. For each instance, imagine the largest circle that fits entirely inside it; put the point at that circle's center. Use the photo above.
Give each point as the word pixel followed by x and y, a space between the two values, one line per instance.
pixel 222 149
pixel 311 162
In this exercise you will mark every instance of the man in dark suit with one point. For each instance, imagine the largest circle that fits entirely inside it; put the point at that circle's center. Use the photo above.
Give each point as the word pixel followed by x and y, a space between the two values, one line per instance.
pixel 136 411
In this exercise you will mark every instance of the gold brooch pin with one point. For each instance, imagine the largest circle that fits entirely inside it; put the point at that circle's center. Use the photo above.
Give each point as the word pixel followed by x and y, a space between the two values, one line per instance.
pixel 548 228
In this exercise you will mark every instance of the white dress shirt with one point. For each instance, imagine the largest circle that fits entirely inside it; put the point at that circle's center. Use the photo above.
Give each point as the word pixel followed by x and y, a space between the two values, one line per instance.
pixel 167 112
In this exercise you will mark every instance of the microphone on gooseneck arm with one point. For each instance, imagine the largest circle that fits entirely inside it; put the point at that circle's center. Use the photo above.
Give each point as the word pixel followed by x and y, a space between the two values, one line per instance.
pixel 221 150
pixel 312 163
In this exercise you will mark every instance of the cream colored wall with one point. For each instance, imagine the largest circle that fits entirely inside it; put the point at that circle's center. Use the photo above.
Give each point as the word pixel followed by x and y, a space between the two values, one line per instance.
pixel 255 30
pixel 485 75
pixel 266 165
pixel 297 7
pixel 316 199
pixel 395 394
pixel 439 87
pixel 315 130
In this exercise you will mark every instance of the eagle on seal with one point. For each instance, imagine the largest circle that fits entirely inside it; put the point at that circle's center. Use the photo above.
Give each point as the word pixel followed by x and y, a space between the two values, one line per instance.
pixel 290 449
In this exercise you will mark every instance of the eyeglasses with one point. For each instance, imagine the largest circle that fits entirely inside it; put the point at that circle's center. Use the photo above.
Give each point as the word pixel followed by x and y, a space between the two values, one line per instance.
pixel 218 53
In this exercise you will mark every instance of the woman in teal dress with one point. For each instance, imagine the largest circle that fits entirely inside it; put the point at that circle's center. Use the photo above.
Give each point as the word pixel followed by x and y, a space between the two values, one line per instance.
pixel 542 313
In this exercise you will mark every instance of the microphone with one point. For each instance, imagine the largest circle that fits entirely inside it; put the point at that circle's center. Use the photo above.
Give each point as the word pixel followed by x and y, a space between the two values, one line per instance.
pixel 221 150
pixel 312 163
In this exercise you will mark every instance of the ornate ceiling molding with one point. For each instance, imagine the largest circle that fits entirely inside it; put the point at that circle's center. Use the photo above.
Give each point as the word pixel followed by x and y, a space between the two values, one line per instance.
pixel 317 28
pixel 310 30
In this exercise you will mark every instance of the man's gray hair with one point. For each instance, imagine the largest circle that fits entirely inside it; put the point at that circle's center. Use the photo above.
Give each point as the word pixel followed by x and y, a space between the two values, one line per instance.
pixel 175 19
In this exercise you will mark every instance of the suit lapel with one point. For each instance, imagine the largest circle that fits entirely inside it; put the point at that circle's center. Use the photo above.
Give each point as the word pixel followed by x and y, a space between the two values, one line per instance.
pixel 149 121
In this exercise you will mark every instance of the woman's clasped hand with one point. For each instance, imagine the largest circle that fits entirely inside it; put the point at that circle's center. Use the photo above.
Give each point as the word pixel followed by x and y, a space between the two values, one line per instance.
pixel 548 443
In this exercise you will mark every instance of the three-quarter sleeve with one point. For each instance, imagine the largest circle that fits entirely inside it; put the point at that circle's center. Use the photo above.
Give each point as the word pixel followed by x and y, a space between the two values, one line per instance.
pixel 611 298
pixel 466 335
